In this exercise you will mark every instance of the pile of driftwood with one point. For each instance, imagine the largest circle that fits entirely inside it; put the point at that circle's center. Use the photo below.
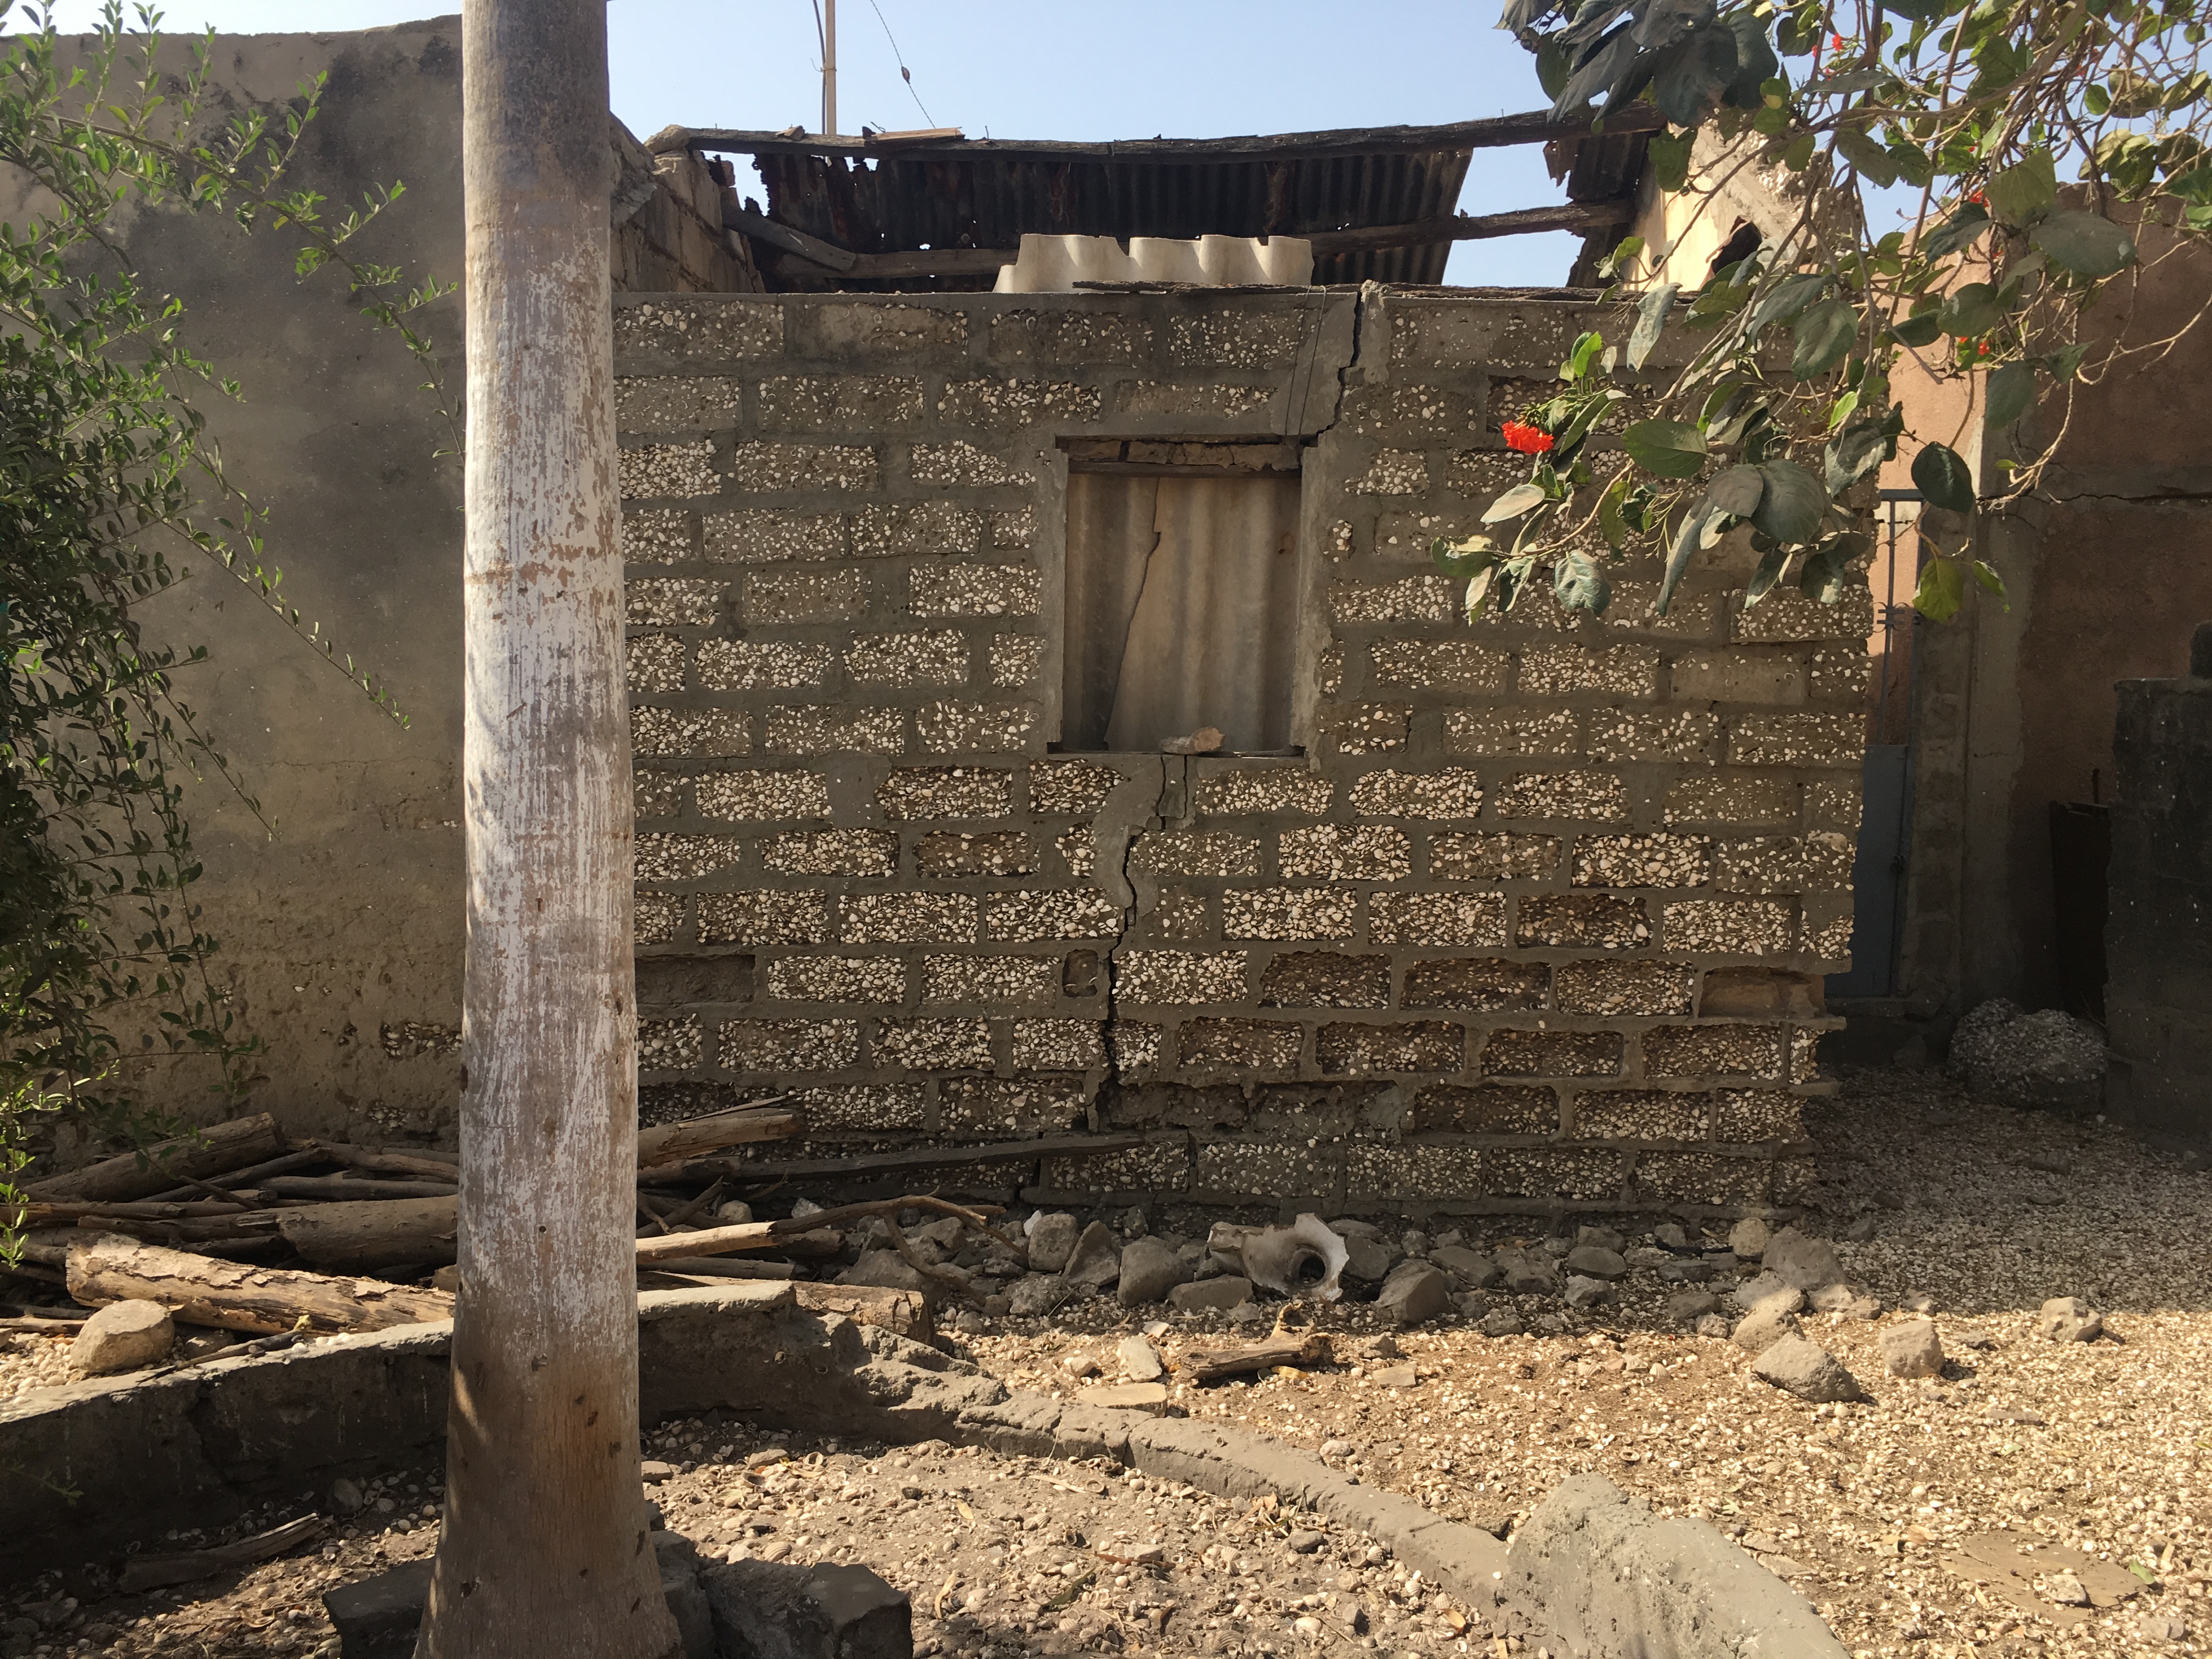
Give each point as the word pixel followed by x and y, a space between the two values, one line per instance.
pixel 236 1227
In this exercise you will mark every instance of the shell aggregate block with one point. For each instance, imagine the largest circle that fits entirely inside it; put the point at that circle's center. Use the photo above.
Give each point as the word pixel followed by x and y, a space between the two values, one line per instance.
pixel 1487 888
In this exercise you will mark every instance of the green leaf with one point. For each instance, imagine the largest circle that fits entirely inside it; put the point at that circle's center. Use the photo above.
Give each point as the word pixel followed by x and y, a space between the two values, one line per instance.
pixel 1755 62
pixel 1986 574
pixel 1514 503
pixel 2022 194
pixel 1824 334
pixel 1925 329
pixel 1611 524
pixel 1697 72
pixel 1942 589
pixel 1771 563
pixel 1942 479
pixel 1587 346
pixel 1793 503
pixel 1960 230
pixel 1859 448
pixel 1670 160
pixel 1468 557
pixel 1820 578
pixel 1970 309
pixel 1478 589
pixel 2065 364
pixel 2086 244
pixel 1733 494
pixel 1874 163
pixel 1650 322
pixel 1786 300
pixel 1579 584
pixel 2011 390
pixel 1673 449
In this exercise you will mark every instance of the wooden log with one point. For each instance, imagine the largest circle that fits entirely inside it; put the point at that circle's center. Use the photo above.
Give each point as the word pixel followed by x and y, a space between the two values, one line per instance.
pixel 671 1143
pixel 154 1168
pixel 236 1224
pixel 235 1297
pixel 362 1237
pixel 431 1166
pixel 331 1188
pixel 1469 227
pixel 145 1572
pixel 1212 1364
pixel 906 1312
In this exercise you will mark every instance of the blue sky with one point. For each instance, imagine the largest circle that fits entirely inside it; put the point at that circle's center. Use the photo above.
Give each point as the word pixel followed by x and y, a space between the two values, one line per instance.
pixel 1047 69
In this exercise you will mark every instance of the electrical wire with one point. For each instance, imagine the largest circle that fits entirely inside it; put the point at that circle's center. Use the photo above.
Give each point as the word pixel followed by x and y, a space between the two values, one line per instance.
pixel 905 74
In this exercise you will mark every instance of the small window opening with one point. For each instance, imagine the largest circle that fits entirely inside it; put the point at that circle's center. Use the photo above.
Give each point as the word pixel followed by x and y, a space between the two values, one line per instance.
pixel 1182 605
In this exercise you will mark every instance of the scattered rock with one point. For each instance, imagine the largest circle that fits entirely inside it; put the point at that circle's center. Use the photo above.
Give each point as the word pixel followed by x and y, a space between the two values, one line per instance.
pixel 1096 1261
pixel 2068 1319
pixel 1971 1336
pixel 2063 1589
pixel 1916 1302
pixel 1713 1325
pixel 1502 1321
pixel 653 1471
pixel 1765 1326
pixel 1767 1287
pixel 1035 1294
pixel 1397 1376
pixel 1335 1451
pixel 2163 1627
pixel 1305 1543
pixel 1806 1369
pixel 1650 1255
pixel 2051 1163
pixel 1473 1305
pixel 1913 1349
pixel 2046 1058
pixel 1798 1259
pixel 1140 1361
pixel 1669 1235
pixel 1496 1522
pixel 1149 1270
pixel 1861 1230
pixel 122 1336
pixel 1585 1292
pixel 1596 1260
pixel 1151 1397
pixel 887 1269
pixel 1692 1270
pixel 346 1496
pixel 733 1212
pixel 1080 1365
pixel 1414 1293
pixel 1748 1238
pixel 1221 1293
pixel 1688 1307
pixel 1602 1238
pixel 1365 1259
pixel 1383 1347
pixel 1470 1267
pixel 1527 1275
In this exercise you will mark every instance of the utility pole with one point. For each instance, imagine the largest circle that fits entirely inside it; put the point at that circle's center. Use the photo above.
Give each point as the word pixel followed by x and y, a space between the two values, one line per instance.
pixel 545 1553
pixel 830 68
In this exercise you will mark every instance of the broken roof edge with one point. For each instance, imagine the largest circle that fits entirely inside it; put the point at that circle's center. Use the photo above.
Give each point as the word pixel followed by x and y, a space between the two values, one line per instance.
pixel 1531 127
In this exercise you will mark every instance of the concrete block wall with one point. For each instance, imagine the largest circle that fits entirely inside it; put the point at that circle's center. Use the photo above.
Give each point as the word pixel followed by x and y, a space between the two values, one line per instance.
pixel 1536 922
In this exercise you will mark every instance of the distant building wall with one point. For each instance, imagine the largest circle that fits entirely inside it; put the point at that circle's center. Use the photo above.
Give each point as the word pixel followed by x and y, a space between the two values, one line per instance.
pixel 1537 918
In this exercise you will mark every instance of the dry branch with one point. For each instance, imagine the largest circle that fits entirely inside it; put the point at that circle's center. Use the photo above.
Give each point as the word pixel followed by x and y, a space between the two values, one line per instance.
pixel 145 1572
pixel 232 1296
pixel 157 1169
pixel 1212 1364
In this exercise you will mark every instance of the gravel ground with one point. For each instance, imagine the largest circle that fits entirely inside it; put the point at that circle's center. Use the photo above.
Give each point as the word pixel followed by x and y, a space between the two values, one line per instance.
pixel 1000 1555
pixel 1924 1521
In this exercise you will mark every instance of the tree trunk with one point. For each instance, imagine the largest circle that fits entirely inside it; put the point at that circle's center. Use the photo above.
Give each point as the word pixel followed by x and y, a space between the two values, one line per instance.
pixel 233 1297
pixel 544 1553
pixel 231 1145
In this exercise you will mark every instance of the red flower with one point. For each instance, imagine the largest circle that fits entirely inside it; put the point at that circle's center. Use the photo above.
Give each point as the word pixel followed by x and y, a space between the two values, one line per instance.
pixel 1527 439
pixel 1836 41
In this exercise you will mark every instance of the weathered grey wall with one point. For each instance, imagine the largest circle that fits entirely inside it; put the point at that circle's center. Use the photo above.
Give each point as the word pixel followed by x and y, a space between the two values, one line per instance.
pixel 342 932
pixel 1540 921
